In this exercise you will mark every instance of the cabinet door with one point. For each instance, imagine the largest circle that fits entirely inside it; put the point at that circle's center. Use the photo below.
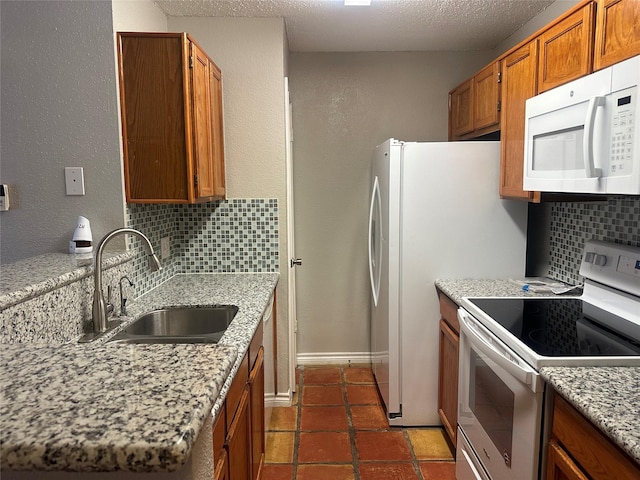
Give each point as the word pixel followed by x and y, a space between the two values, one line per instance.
pixel 518 84
pixel 566 49
pixel 152 106
pixel 560 466
pixel 221 471
pixel 256 385
pixel 487 95
pixel 617 31
pixel 202 126
pixel 218 163
pixel 461 109
pixel 448 379
pixel 597 456
pixel 239 441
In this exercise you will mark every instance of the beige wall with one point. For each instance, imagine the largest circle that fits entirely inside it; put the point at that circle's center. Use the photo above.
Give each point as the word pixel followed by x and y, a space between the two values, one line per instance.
pixel 343 106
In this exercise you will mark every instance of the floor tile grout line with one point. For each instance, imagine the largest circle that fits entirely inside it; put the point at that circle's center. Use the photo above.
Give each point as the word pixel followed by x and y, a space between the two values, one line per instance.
pixel 352 430
pixel 414 458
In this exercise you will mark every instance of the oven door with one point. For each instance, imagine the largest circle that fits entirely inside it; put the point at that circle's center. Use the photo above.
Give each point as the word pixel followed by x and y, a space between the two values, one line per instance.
pixel 499 404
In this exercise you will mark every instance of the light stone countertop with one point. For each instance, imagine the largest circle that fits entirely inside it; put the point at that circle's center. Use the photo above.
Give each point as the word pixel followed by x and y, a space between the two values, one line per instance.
pixel 118 407
pixel 35 276
pixel 608 396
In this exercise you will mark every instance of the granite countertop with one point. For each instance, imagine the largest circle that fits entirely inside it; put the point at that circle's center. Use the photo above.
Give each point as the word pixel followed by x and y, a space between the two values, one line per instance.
pixel 106 407
pixel 456 289
pixel 608 396
pixel 122 407
pixel 35 276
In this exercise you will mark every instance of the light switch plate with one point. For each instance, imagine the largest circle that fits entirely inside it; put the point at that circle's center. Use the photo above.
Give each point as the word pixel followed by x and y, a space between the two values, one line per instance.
pixel 74 180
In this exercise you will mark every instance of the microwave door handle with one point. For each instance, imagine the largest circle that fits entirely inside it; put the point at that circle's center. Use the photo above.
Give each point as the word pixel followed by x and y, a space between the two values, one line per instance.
pixel 587 142
pixel 523 375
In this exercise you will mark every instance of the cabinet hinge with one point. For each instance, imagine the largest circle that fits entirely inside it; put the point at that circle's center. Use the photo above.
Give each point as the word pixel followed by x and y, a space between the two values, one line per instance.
pixel 499 105
pixel 499 77
pixel 191 61
pixel 195 180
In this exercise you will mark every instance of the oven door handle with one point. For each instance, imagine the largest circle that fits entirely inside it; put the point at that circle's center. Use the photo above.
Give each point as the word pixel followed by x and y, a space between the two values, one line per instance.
pixel 523 373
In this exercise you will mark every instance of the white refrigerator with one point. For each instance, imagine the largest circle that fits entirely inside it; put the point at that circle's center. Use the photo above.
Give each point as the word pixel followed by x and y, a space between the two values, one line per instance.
pixel 435 213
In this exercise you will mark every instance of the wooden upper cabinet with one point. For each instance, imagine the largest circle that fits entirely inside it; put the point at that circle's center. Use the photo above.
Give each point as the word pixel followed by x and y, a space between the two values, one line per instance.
pixel 519 73
pixel 461 109
pixel 487 97
pixel 566 49
pixel 170 97
pixel 617 31
pixel 473 105
pixel 216 112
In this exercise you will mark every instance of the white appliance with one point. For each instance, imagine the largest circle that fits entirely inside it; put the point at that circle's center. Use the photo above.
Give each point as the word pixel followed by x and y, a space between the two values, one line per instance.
pixel 582 137
pixel 435 213
pixel 503 407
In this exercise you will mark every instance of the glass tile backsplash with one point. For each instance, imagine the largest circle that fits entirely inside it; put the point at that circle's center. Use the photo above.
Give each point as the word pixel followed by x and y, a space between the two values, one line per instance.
pixel 614 220
pixel 235 235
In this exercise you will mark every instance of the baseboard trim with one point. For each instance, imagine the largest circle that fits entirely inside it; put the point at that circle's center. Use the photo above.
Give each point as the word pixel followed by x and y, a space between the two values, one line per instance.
pixel 333 358
pixel 279 400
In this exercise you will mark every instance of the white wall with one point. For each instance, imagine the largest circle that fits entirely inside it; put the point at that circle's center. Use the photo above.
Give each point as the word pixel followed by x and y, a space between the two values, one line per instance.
pixel 58 108
pixel 343 106
pixel 138 16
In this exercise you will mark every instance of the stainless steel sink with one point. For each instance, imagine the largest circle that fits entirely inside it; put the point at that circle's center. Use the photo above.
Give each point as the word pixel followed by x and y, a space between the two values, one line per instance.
pixel 179 325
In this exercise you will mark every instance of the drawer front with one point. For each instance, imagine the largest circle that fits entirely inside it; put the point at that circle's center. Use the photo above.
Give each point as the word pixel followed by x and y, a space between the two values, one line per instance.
pixel 449 312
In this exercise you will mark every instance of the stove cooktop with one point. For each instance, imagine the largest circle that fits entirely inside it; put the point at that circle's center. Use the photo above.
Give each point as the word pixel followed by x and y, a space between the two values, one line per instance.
pixel 563 327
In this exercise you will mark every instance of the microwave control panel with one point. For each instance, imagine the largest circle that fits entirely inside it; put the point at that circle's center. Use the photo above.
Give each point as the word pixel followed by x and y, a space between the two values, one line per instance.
pixel 623 108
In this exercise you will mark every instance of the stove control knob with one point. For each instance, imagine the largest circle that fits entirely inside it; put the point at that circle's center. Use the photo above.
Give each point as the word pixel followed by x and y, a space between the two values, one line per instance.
pixel 600 260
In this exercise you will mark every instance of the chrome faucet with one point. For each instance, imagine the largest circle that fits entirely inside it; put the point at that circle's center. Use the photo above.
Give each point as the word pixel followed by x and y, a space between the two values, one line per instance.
pixel 99 304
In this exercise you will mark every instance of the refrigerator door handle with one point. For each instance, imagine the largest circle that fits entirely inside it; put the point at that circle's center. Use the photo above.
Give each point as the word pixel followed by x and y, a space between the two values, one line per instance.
pixel 375 255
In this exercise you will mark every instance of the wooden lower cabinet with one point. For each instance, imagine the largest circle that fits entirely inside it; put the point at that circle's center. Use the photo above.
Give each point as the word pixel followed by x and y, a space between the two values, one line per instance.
pixel 239 440
pixel 244 444
pixel 560 466
pixel 579 451
pixel 221 471
pixel 256 389
pixel 448 366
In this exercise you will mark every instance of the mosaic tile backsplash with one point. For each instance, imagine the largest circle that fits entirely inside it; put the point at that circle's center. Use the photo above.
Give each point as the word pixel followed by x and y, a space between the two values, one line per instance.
pixel 229 236
pixel 616 220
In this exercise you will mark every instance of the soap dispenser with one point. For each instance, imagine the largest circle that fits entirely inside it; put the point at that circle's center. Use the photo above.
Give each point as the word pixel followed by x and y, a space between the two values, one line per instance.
pixel 82 240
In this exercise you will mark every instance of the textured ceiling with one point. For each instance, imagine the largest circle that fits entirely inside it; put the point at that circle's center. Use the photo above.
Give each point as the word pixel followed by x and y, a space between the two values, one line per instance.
pixel 387 25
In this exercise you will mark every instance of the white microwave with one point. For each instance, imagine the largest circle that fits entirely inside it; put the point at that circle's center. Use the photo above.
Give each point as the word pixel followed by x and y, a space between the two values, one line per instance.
pixel 582 137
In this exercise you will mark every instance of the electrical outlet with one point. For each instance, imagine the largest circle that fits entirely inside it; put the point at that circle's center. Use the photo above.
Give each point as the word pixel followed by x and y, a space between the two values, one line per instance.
pixel 165 248
pixel 74 180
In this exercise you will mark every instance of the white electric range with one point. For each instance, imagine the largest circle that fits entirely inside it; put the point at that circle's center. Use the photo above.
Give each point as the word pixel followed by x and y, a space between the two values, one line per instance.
pixel 504 342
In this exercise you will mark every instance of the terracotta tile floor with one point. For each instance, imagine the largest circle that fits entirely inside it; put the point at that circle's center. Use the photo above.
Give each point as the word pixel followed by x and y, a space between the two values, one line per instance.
pixel 337 430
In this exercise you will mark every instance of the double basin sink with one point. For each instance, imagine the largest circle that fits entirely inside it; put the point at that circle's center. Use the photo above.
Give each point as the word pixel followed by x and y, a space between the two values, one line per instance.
pixel 179 325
